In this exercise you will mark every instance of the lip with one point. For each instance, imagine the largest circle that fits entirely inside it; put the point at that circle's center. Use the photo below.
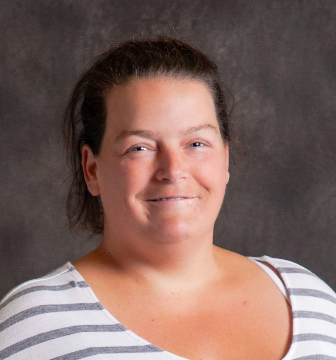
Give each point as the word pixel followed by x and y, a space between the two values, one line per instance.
pixel 171 198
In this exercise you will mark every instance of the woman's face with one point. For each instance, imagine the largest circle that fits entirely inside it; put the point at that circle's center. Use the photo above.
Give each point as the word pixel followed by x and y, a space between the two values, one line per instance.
pixel 163 167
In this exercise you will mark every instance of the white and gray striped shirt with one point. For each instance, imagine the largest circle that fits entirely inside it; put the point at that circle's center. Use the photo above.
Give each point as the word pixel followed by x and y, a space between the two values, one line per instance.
pixel 59 317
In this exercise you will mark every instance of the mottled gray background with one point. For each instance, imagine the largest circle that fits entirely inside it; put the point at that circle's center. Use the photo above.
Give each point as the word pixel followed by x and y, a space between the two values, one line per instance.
pixel 278 59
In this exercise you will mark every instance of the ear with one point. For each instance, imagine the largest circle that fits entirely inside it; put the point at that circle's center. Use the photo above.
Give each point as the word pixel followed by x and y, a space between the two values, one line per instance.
pixel 89 165
pixel 227 177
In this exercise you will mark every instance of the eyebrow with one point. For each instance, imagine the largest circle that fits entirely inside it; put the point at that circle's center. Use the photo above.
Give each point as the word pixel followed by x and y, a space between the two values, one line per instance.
pixel 150 134
pixel 127 133
pixel 201 127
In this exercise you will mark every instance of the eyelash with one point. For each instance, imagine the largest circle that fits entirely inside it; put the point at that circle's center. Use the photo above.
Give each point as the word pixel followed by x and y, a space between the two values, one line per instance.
pixel 134 149
pixel 197 142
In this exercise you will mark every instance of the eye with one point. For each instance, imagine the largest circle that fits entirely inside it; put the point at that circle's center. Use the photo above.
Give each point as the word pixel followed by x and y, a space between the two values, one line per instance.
pixel 137 149
pixel 196 144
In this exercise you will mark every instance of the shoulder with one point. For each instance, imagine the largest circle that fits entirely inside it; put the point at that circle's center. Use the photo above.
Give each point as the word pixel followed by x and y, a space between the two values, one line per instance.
pixel 296 276
pixel 310 297
pixel 313 305
pixel 39 291
pixel 34 307
pixel 298 280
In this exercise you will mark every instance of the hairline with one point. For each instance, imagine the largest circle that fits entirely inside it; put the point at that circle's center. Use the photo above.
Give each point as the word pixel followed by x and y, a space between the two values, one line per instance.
pixel 152 75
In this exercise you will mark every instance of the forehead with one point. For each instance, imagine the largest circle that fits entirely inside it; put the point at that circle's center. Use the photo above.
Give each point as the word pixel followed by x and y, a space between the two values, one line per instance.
pixel 159 103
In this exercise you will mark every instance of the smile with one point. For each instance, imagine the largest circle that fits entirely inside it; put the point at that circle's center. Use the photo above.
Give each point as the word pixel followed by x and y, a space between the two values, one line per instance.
pixel 173 198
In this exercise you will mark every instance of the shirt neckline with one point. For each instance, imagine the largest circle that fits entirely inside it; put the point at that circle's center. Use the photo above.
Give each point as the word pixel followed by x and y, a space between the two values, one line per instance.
pixel 143 341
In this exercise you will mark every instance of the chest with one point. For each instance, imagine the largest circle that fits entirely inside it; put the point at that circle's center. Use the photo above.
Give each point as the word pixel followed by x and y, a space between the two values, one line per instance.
pixel 209 329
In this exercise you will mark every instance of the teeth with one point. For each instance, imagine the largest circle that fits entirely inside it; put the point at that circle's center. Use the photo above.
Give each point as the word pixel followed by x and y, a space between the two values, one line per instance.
pixel 165 199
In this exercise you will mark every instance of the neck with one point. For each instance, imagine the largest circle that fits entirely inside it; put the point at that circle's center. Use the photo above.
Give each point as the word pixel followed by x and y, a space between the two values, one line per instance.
pixel 187 264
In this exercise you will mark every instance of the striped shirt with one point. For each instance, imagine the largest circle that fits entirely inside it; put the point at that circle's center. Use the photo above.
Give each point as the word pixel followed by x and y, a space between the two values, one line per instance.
pixel 59 317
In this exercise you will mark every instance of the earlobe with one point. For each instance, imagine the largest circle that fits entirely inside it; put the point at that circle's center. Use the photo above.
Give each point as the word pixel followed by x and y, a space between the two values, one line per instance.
pixel 89 165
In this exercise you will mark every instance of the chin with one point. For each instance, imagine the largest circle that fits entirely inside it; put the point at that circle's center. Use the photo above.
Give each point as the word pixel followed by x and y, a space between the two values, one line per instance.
pixel 177 233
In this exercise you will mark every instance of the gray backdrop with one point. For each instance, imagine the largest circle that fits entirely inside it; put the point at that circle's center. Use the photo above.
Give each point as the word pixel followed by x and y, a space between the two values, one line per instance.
pixel 278 59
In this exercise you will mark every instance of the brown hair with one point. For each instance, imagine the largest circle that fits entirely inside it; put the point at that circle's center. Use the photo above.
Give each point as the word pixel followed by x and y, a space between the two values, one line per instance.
pixel 85 115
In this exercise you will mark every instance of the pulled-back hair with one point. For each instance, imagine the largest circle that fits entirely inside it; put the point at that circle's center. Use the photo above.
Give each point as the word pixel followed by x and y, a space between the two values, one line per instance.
pixel 85 115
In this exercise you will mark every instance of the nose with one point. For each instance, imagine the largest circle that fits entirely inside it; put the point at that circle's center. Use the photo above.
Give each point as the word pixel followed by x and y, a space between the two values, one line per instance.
pixel 171 165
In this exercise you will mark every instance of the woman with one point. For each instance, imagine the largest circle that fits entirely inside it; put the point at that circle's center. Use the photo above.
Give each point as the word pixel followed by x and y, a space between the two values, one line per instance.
pixel 148 136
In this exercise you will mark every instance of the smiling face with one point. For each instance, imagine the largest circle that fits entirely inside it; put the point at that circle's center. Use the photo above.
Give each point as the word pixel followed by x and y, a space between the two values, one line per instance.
pixel 163 167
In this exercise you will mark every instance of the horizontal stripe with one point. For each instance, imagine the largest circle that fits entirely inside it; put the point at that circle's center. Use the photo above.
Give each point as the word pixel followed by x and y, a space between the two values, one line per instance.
pixel 70 285
pixel 316 357
pixel 54 334
pixel 48 277
pixel 313 293
pixel 75 339
pixel 314 337
pixel 44 309
pixel 314 315
pixel 294 270
pixel 81 354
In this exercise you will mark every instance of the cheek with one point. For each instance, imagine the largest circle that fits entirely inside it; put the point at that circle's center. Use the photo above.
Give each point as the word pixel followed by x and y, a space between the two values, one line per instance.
pixel 134 173
pixel 128 179
pixel 215 169
pixel 111 182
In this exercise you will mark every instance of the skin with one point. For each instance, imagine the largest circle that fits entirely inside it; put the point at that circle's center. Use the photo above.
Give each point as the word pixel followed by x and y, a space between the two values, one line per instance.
pixel 161 174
